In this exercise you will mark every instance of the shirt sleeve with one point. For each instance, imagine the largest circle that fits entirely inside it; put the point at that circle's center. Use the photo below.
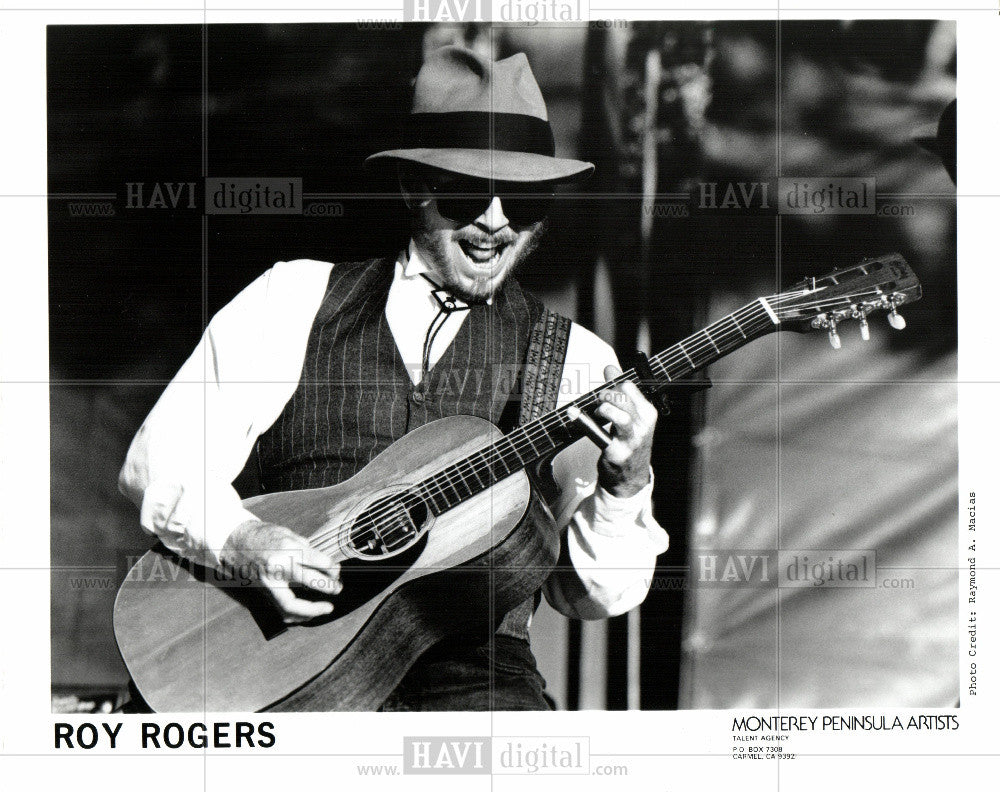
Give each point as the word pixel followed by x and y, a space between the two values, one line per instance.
pixel 181 464
pixel 612 543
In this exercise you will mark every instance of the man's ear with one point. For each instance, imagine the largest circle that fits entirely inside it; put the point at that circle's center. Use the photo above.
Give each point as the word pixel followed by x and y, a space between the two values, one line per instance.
pixel 412 187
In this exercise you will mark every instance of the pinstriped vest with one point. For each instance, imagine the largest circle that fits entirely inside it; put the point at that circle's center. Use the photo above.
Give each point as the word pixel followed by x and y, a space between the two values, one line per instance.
pixel 355 398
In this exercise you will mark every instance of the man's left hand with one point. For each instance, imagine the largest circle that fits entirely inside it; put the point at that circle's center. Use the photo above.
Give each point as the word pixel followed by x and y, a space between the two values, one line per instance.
pixel 623 468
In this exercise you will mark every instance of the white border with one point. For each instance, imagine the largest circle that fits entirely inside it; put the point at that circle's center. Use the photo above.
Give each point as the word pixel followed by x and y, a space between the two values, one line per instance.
pixel 699 741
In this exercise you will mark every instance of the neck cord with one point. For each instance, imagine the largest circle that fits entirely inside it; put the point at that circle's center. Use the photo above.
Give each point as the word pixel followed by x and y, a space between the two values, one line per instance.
pixel 447 305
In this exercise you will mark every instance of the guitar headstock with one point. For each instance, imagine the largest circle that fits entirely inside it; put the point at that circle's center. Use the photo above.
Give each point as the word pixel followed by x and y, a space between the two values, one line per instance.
pixel 877 284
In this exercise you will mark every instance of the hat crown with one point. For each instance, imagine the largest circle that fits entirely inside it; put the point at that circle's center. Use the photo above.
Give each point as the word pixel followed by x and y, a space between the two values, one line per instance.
pixel 455 79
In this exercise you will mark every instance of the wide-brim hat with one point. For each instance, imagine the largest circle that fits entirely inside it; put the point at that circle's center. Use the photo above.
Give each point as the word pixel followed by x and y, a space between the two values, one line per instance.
pixel 481 118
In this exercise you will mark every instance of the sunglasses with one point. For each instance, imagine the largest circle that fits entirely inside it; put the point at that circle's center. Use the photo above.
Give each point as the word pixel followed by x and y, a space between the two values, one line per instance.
pixel 463 200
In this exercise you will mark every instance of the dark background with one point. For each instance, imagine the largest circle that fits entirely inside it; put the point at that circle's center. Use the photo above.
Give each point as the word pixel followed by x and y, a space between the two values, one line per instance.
pixel 130 294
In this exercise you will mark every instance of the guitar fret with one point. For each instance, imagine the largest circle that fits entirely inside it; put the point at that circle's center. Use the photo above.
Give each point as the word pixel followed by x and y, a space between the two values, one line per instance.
pixel 658 366
pixel 710 340
pixel 733 319
pixel 560 422
pixel 448 484
pixel 474 465
pixel 432 498
pixel 440 490
pixel 680 346
pixel 521 439
pixel 499 459
pixel 543 442
pixel 768 310
pixel 439 493
pixel 531 444
pixel 469 491
pixel 520 459
pixel 548 437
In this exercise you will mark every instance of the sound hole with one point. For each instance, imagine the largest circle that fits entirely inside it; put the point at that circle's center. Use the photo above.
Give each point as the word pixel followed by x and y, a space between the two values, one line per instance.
pixel 388 526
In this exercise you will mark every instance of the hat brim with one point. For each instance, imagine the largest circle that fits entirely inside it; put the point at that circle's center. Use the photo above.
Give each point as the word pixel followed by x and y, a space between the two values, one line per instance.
pixel 498 165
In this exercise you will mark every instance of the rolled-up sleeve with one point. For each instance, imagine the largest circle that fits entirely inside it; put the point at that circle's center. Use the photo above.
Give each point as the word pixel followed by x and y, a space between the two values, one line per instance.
pixel 181 464
pixel 195 441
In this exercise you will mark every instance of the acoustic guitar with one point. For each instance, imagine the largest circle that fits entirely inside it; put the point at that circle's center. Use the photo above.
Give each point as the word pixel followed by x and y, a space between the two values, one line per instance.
pixel 442 533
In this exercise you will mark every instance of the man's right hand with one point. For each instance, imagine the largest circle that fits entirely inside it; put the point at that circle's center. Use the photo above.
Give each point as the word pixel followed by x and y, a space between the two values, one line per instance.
pixel 280 558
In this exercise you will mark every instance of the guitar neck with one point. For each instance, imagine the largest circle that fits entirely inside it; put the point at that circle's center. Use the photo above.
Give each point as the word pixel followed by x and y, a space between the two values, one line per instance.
pixel 527 444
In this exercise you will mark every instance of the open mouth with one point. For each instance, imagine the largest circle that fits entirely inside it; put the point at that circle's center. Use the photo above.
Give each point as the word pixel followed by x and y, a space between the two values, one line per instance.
pixel 483 255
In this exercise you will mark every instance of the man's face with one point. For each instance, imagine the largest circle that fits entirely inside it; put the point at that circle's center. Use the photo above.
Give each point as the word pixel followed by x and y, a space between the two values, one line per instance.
pixel 474 237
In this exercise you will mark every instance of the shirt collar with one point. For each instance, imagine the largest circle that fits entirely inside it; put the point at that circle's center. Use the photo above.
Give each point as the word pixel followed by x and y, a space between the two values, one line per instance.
pixel 413 265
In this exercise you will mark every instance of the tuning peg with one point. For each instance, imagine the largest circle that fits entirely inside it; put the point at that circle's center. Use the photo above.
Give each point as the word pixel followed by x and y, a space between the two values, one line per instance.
pixel 896 321
pixel 861 314
pixel 834 338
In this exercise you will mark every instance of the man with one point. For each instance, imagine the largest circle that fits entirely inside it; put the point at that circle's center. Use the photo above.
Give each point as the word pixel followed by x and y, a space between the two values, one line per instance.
pixel 322 366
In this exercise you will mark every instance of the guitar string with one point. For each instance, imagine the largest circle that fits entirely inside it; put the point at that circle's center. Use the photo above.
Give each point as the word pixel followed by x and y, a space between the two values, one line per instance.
pixel 535 431
pixel 495 453
pixel 666 364
pixel 693 350
pixel 538 430
pixel 443 479
pixel 467 475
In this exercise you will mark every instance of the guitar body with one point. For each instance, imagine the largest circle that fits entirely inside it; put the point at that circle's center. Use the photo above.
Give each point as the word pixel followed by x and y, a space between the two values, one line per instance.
pixel 193 641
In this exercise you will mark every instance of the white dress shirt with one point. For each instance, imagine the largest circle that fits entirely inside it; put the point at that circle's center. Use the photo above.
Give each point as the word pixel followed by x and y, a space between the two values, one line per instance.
pixel 196 440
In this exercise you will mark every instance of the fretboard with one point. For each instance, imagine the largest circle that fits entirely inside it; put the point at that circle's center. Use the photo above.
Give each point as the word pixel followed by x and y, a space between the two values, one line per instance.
pixel 527 444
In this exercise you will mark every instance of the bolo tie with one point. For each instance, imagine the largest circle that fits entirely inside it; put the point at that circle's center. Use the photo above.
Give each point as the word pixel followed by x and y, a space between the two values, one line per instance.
pixel 447 305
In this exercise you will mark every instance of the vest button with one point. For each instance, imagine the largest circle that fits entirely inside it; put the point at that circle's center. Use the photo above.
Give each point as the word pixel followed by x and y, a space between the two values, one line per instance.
pixel 417 396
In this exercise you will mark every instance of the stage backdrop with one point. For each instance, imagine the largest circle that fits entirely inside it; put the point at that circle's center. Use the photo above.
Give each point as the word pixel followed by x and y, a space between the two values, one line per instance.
pixel 884 481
